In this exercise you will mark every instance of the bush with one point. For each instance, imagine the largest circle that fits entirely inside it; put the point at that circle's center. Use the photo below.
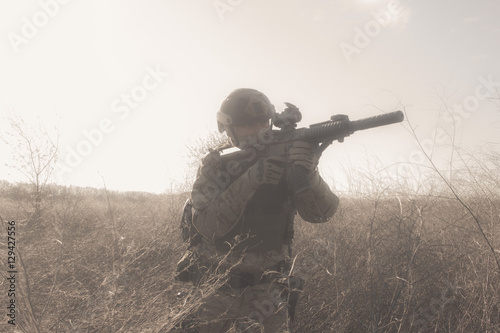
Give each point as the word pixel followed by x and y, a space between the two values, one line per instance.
pixel 100 261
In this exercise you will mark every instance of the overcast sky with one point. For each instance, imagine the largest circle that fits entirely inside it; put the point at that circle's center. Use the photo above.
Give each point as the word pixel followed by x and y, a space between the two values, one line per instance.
pixel 134 81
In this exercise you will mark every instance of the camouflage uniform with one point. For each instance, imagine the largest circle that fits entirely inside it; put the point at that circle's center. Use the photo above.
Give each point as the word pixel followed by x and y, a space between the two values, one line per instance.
pixel 243 221
pixel 227 205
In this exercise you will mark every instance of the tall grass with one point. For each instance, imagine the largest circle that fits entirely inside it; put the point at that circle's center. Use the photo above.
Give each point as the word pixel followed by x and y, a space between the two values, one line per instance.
pixel 391 260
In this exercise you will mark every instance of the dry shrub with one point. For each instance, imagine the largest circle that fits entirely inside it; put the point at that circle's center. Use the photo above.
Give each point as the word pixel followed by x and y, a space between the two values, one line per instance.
pixel 391 260
pixel 397 261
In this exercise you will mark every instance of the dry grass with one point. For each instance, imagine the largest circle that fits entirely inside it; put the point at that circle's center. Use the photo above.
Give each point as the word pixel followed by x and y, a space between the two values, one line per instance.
pixel 389 261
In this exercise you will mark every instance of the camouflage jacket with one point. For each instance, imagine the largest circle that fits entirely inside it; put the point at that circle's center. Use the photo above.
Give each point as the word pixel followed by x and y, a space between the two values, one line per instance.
pixel 227 204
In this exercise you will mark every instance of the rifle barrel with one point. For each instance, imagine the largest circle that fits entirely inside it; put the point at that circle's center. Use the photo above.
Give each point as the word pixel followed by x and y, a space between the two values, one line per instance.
pixel 339 129
pixel 376 121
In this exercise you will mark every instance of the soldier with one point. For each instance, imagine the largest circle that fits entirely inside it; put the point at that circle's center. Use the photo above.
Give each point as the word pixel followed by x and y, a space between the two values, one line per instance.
pixel 243 214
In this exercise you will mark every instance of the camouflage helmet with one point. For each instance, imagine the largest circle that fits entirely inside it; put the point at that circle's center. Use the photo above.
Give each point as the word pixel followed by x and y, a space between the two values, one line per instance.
pixel 244 106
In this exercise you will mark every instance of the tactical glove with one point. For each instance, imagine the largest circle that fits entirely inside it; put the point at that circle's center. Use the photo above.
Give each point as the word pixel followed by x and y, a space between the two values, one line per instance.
pixel 304 154
pixel 267 170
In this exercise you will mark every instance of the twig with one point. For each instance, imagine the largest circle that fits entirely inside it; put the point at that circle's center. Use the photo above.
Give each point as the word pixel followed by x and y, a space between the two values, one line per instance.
pixel 459 199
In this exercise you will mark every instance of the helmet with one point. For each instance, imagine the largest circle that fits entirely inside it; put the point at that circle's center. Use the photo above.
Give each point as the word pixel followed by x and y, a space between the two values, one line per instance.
pixel 243 106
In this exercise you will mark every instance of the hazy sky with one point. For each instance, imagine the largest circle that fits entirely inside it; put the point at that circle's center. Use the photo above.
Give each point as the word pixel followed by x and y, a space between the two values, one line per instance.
pixel 135 81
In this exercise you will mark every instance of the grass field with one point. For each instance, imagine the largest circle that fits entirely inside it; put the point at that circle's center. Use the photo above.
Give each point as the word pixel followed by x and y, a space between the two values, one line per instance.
pixel 391 260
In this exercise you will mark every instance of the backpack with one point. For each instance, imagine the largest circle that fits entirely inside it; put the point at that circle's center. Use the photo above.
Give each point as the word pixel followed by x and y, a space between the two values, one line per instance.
pixel 188 231
pixel 187 269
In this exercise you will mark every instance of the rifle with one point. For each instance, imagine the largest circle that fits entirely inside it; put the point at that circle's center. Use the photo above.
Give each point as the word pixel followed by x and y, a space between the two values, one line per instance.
pixel 276 142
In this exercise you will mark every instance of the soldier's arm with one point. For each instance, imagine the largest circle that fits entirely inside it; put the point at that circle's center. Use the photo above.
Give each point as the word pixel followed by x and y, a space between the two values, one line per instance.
pixel 319 203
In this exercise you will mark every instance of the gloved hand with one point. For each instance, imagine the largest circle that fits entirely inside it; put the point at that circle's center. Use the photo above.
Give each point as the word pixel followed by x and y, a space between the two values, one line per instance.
pixel 304 154
pixel 267 170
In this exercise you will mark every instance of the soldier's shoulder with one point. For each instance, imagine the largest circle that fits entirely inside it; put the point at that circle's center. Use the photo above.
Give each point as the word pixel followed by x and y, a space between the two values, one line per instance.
pixel 212 158
pixel 210 163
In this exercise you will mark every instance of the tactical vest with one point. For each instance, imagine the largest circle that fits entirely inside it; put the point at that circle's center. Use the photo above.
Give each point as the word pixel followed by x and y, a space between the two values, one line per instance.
pixel 267 222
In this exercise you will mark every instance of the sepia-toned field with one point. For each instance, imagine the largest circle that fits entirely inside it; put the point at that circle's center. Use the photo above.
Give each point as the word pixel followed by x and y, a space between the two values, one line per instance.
pixel 391 260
